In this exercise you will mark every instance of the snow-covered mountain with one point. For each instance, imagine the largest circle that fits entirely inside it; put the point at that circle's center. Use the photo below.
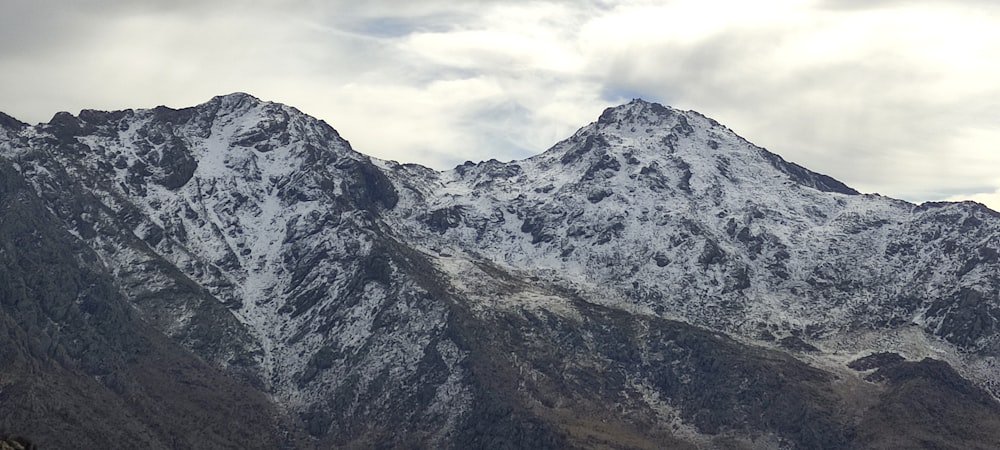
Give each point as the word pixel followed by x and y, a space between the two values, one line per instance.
pixel 670 213
pixel 652 281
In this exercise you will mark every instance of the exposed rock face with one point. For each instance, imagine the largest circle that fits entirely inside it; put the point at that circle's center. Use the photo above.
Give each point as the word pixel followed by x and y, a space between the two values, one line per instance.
pixel 652 281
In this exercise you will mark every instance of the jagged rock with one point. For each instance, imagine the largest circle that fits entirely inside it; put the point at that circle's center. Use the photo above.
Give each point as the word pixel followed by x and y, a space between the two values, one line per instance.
pixel 875 361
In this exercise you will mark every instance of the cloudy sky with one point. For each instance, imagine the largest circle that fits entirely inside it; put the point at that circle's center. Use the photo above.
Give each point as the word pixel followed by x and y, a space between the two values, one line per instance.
pixel 896 97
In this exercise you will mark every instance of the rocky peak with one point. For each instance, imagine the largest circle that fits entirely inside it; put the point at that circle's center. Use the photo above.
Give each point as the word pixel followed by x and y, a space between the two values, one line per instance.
pixel 674 150
pixel 636 111
pixel 235 100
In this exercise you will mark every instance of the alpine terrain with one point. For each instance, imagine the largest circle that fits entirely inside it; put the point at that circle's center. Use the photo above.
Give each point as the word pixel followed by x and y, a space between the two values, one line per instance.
pixel 235 275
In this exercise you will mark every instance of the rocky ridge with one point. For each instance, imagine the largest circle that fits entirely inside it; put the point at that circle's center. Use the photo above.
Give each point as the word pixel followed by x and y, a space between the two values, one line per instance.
pixel 652 280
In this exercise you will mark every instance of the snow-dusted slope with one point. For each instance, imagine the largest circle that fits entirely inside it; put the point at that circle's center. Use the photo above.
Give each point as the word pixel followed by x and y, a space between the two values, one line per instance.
pixel 514 302
pixel 270 213
pixel 671 213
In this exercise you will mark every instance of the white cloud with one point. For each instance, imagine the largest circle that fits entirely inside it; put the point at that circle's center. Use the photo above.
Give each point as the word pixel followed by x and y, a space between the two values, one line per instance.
pixel 871 97
pixel 894 97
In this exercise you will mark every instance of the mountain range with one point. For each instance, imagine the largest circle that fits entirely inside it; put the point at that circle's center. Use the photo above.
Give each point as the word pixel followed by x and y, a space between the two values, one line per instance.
pixel 236 275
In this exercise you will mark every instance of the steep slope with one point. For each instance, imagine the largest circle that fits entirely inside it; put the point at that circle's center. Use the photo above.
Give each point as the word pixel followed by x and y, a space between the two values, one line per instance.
pixel 653 281
pixel 247 231
pixel 80 370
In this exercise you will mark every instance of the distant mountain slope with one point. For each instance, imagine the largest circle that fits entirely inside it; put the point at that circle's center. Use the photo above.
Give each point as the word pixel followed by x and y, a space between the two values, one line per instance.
pixel 653 281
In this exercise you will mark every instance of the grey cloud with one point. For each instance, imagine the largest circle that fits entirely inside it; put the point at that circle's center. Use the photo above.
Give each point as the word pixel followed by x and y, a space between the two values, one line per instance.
pixel 30 28
pixel 27 28
pixel 863 5
pixel 394 27
pixel 872 120
pixel 497 127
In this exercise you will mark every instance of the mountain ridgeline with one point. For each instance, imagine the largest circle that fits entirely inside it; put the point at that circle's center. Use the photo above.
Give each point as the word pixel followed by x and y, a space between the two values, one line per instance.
pixel 235 275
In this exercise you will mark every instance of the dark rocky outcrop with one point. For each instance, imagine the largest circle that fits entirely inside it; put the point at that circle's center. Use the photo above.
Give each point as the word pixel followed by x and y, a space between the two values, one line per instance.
pixel 11 123
pixel 875 361
pixel 807 177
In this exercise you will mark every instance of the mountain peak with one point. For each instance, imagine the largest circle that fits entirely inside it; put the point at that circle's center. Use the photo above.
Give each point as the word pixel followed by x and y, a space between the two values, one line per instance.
pixel 235 98
pixel 688 137
pixel 236 102
pixel 635 109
